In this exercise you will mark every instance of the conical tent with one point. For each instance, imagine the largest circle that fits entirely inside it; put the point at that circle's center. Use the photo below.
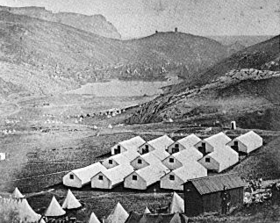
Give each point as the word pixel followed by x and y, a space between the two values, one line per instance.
pixel 71 201
pixel 27 213
pixel 54 209
pixel 147 211
pixel 177 204
pixel 118 215
pixel 93 218
pixel 17 194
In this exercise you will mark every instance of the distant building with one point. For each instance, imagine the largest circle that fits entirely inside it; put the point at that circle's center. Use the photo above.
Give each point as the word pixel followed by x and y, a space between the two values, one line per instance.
pixel 2 156
pixel 176 29
pixel 247 142
pixel 204 194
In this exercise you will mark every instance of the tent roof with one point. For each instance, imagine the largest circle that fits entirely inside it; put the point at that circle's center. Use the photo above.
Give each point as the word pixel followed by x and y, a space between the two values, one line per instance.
pixel 85 173
pixel 188 155
pixel 190 171
pixel 177 204
pixel 118 173
pixel 248 138
pixel 151 174
pixel 161 143
pixel 218 140
pixel 71 201
pixel 93 218
pixel 17 194
pixel 118 215
pixel 221 155
pixel 160 154
pixel 151 159
pixel 189 141
pixel 210 184
pixel 132 144
pixel 54 209
pixel 124 158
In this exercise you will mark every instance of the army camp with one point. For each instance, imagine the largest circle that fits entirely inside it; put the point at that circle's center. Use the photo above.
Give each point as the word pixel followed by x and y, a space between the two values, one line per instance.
pixel 139 111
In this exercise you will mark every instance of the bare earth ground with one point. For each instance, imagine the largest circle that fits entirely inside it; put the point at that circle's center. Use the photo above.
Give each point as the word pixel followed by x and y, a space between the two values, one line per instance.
pixel 50 140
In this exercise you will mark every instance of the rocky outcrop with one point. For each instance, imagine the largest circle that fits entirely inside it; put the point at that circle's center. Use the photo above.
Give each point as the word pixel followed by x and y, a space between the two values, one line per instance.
pixel 96 24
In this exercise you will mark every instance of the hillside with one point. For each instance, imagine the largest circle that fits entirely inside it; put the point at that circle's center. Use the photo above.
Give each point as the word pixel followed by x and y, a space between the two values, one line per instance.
pixel 242 87
pixel 96 24
pixel 68 56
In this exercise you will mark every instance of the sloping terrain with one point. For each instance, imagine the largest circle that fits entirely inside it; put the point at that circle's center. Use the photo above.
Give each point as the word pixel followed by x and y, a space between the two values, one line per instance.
pixel 244 83
pixel 96 24
pixel 67 57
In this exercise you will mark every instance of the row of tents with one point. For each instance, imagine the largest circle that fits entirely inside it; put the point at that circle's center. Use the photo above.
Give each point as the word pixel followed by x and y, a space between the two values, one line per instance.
pixel 138 164
pixel 18 203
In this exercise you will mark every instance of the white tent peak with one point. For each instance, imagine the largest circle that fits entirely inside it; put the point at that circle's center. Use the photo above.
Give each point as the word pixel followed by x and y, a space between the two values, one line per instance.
pixel 177 204
pixel 54 209
pixel 118 215
pixel 93 218
pixel 71 201
pixel 147 211
pixel 25 211
pixel 17 194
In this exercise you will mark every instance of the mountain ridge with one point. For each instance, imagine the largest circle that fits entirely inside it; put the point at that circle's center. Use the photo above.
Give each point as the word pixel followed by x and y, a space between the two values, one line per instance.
pixel 96 24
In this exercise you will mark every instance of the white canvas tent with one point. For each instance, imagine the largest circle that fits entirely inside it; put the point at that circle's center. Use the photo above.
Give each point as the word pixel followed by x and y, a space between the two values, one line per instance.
pixel 147 211
pixel 25 211
pixel 182 158
pixel 145 160
pixel 120 159
pixel 79 177
pixel 54 209
pixel 247 142
pixel 209 144
pixel 71 201
pixel 118 215
pixel 110 178
pixel 175 179
pixel 128 145
pixel 220 159
pixel 17 194
pixel 184 143
pixel 93 218
pixel 177 204
pixel 2 156
pixel 160 143
pixel 141 179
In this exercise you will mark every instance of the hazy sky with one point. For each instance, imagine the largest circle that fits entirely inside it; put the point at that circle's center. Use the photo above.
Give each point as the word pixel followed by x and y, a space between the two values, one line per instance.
pixel 134 18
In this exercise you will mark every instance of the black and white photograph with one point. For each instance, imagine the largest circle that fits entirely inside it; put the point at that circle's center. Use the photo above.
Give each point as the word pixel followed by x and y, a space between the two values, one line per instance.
pixel 139 111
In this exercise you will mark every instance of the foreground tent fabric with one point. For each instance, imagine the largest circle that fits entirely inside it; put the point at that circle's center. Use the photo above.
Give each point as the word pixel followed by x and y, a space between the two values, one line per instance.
pixel 17 194
pixel 177 204
pixel 22 207
pixel 93 218
pixel 54 209
pixel 156 218
pixel 118 215
pixel 71 201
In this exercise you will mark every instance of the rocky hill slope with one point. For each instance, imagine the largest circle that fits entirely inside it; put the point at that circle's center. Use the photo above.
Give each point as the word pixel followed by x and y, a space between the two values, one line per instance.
pixel 241 86
pixel 69 56
pixel 96 24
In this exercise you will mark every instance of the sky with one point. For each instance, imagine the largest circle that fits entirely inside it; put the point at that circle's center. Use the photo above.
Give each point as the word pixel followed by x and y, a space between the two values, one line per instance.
pixel 138 18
